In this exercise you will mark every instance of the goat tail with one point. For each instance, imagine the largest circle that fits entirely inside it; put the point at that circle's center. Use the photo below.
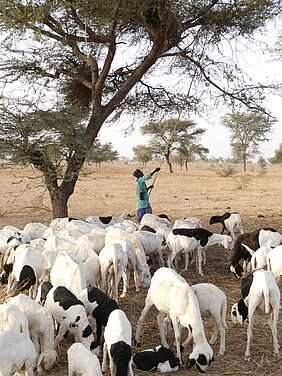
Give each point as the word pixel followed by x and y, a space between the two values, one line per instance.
pixel 266 299
pixel 223 313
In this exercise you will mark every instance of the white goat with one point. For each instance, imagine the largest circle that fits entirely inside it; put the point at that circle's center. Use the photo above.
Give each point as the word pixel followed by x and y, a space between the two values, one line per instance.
pixel 172 296
pixel 12 318
pixel 68 271
pixel 41 329
pixel 112 256
pixel 81 361
pixel 212 302
pixel 274 262
pixel 114 235
pixel 17 353
pixel 259 292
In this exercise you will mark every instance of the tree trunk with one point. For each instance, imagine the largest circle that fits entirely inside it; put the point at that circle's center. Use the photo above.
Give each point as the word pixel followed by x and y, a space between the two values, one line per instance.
pixel 186 165
pixel 59 201
pixel 169 163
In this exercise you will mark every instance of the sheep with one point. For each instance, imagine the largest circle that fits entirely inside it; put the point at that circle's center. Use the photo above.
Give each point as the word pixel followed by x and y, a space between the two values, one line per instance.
pixel 114 235
pixel 82 362
pixel 99 306
pixel 160 224
pixel 95 241
pixel 68 271
pixel 274 262
pixel 92 271
pixel 258 238
pixel 41 329
pixel 212 302
pixel 112 256
pixel 21 358
pixel 12 318
pixel 70 315
pixel 259 257
pixel 188 240
pixel 60 223
pixel 117 345
pixel 190 222
pixel 152 244
pixel 160 358
pixel 34 230
pixel 230 221
pixel 27 271
pixel 108 221
pixel 259 293
pixel 172 296
pixel 14 231
pixel 83 227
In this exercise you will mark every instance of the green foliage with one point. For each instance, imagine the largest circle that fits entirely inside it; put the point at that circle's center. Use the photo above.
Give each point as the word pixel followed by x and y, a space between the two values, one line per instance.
pixel 143 154
pixel 247 131
pixel 102 153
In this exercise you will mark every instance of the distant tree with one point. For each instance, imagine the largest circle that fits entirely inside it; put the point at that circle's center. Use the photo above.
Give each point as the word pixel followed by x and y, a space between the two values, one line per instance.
pixel 143 154
pixel 247 131
pixel 262 165
pixel 167 136
pixel 102 153
pixel 277 156
pixel 189 150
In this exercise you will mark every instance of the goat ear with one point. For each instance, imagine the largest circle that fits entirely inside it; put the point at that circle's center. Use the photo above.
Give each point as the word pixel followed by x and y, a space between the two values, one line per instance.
pixel 248 249
pixel 190 363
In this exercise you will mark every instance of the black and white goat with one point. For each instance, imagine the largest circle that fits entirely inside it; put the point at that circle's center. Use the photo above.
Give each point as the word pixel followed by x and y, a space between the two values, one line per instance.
pixel 183 240
pixel 264 237
pixel 231 222
pixel 160 358
pixel 99 306
pixel 259 293
pixel 117 345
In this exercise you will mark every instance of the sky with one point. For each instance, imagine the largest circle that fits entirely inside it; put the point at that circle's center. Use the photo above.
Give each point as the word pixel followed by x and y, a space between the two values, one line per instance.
pixel 216 137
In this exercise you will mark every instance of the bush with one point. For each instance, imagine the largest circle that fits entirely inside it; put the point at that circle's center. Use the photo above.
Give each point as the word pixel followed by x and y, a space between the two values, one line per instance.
pixel 227 171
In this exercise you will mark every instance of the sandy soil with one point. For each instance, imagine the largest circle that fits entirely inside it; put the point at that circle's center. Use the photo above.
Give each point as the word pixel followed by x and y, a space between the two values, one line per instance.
pixel 200 192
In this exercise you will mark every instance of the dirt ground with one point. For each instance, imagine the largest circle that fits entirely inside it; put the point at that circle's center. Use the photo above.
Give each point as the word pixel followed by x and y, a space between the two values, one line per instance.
pixel 199 192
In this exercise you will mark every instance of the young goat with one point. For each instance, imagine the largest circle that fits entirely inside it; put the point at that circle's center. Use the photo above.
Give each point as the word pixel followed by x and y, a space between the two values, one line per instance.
pixel 172 296
pixel 259 292
pixel 117 344
pixel 81 361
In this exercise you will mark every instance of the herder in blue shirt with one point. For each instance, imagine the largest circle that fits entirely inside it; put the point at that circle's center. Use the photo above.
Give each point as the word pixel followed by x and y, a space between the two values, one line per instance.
pixel 143 203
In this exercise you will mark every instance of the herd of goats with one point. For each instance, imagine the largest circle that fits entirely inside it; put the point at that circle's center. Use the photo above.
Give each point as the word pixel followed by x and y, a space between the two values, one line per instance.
pixel 72 269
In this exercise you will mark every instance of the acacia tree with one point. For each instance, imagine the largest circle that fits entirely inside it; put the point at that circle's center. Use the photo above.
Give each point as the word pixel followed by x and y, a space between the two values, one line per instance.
pixel 102 153
pixel 247 131
pixel 188 150
pixel 169 135
pixel 143 154
pixel 102 53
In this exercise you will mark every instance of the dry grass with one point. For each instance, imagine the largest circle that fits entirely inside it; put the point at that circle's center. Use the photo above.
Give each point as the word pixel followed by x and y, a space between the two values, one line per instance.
pixel 199 192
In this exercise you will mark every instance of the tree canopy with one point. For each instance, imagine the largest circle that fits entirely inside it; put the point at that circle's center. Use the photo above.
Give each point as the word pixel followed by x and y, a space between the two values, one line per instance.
pixel 171 135
pixel 277 156
pixel 248 130
pixel 111 58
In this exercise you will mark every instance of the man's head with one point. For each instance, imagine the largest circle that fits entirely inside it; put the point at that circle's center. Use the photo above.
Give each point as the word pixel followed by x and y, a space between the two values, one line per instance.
pixel 138 173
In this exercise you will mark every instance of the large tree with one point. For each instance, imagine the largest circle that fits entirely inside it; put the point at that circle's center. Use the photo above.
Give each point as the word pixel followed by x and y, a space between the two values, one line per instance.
pixel 102 53
pixel 248 130
pixel 168 136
